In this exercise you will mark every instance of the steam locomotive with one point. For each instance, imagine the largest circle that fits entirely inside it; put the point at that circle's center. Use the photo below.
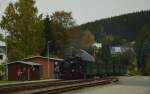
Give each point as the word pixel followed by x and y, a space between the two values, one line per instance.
pixel 76 68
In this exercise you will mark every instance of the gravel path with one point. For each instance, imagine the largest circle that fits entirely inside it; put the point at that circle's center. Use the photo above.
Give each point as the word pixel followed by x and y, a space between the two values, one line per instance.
pixel 127 85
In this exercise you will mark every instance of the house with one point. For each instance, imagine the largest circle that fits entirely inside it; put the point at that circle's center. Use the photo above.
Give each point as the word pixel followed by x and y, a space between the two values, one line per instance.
pixel 23 70
pixel 115 51
pixel 95 48
pixel 50 66
pixel 3 56
pixel 97 45
pixel 118 50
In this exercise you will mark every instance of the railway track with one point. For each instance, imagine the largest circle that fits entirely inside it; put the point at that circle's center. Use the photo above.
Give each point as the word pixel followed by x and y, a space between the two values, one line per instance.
pixel 6 89
pixel 65 88
pixel 52 87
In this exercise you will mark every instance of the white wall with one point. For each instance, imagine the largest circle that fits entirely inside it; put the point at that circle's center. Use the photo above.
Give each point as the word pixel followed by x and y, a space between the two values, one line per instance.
pixel 3 59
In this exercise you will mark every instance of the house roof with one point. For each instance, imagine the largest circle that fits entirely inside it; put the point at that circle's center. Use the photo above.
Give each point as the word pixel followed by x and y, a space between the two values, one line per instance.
pixel 115 50
pixel 2 50
pixel 56 59
pixel 119 49
pixel 25 62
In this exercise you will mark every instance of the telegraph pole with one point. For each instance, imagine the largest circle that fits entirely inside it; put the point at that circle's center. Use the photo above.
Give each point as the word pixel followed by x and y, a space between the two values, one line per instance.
pixel 48 58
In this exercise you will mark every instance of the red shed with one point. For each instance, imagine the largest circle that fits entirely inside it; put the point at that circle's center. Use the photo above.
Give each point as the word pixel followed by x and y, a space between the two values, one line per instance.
pixel 22 70
pixel 48 72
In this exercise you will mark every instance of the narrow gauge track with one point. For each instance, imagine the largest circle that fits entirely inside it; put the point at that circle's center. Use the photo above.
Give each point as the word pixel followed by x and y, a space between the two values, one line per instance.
pixel 10 88
pixel 19 86
pixel 65 88
pixel 53 87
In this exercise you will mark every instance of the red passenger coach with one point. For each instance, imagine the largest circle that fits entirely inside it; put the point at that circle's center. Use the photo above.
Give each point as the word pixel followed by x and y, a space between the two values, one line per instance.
pixel 22 70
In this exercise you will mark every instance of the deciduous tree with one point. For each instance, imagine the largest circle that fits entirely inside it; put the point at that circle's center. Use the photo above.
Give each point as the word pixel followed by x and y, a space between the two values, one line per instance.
pixel 25 29
pixel 87 40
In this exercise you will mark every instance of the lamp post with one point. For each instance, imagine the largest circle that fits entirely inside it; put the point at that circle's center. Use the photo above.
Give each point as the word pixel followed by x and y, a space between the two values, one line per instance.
pixel 6 54
pixel 48 58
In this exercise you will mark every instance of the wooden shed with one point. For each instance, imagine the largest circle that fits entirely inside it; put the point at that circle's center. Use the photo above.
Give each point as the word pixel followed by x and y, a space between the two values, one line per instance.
pixel 23 70
pixel 49 71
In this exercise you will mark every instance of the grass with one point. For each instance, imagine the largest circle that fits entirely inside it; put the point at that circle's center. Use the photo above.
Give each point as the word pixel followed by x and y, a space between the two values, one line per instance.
pixel 6 81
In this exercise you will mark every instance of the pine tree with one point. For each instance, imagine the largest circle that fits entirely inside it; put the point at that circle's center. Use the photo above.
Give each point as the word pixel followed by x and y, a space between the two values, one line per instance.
pixel 142 47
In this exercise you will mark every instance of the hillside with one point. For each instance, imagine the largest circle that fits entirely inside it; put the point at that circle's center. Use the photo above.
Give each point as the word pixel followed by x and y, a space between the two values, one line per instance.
pixel 125 26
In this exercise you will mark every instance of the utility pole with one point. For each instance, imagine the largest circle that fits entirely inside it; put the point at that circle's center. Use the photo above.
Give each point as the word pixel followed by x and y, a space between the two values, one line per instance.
pixel 48 58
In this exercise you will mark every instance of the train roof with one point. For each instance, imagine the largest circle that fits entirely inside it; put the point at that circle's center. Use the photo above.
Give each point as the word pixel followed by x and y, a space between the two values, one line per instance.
pixel 85 56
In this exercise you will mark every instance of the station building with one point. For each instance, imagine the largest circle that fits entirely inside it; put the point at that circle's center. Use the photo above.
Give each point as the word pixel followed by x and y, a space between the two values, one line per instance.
pixel 34 68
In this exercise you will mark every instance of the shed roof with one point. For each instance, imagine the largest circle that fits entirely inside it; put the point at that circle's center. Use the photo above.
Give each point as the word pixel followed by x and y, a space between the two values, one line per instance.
pixel 56 59
pixel 25 62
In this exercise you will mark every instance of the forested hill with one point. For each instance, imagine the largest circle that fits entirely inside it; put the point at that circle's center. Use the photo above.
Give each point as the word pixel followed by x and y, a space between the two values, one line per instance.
pixel 125 26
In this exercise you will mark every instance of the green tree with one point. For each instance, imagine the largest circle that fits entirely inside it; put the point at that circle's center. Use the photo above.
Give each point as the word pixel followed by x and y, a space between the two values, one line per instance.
pixel 142 47
pixel 75 37
pixel 50 36
pixel 129 58
pixel 57 30
pixel 147 68
pixel 99 56
pixel 126 26
pixel 63 18
pixel 25 29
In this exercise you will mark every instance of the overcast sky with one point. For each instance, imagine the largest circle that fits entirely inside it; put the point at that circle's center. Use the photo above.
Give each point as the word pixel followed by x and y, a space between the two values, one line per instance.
pixel 87 10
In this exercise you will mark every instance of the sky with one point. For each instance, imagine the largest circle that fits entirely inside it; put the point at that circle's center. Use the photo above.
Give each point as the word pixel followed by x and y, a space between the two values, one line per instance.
pixel 87 10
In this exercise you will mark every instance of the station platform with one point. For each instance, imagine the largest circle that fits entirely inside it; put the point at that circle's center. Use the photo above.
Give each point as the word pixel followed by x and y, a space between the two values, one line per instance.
pixel 25 82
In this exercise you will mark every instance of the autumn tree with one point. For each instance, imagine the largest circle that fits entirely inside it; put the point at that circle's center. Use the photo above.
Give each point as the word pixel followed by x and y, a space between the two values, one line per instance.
pixel 87 40
pixel 108 39
pixel 25 29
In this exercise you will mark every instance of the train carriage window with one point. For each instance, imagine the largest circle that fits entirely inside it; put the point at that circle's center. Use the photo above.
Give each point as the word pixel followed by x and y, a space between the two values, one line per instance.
pixel 1 57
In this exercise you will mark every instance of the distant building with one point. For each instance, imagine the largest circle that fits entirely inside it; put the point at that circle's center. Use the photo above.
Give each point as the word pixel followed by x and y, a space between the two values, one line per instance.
pixel 97 45
pixel 115 51
pixel 118 50
pixel 3 56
